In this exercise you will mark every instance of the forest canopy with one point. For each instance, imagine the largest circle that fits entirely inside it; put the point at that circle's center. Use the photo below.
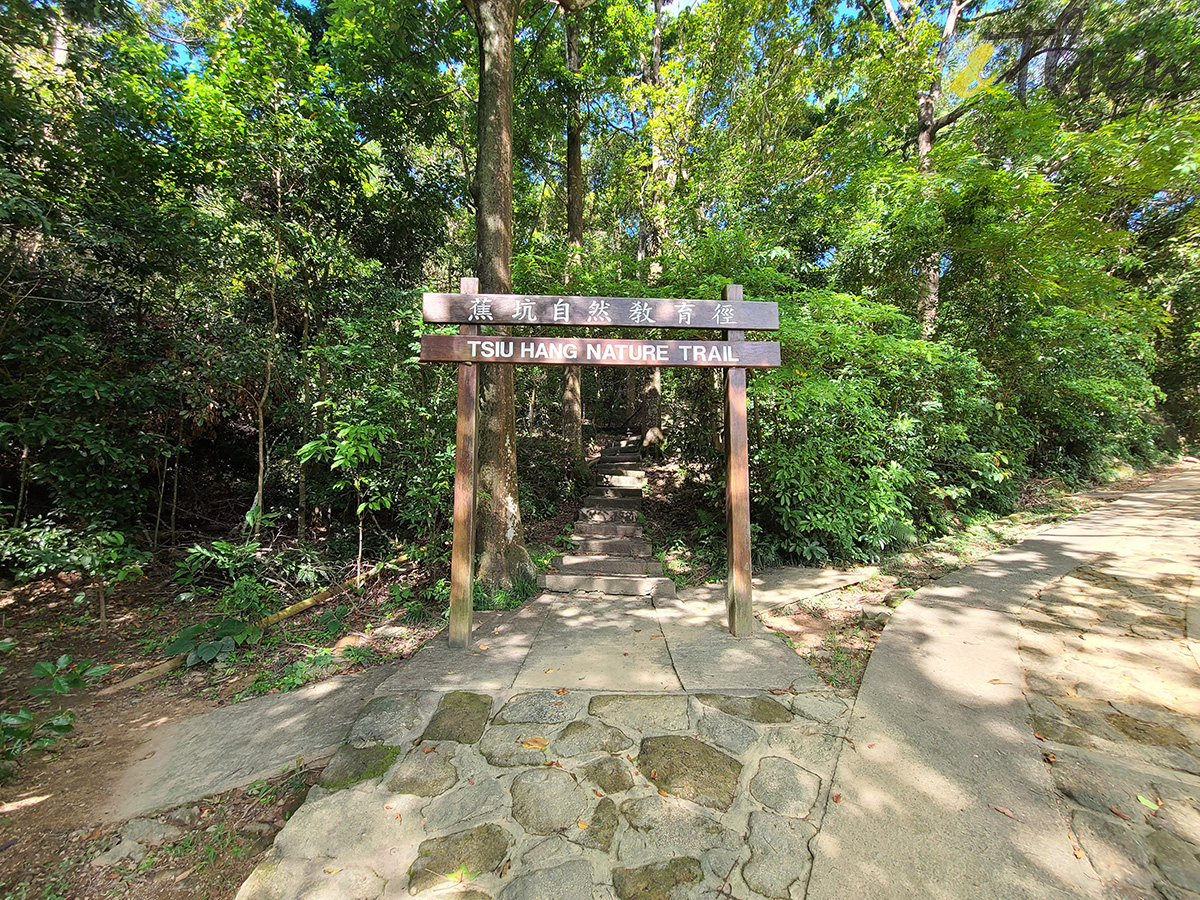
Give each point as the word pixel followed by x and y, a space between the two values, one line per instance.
pixel 217 217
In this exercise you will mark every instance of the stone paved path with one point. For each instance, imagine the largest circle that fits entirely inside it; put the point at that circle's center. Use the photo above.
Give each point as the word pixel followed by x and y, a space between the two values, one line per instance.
pixel 565 794
pixel 1026 729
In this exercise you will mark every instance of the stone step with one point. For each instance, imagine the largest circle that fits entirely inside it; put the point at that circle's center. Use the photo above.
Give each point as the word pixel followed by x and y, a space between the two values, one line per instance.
pixel 606 565
pixel 618 469
pixel 601 514
pixel 607 529
pixel 634 458
pixel 614 502
pixel 613 546
pixel 605 479
pixel 623 585
pixel 617 492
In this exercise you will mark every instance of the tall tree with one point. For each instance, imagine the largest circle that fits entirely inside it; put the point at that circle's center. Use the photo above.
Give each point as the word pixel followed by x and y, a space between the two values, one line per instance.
pixel 500 535
pixel 573 375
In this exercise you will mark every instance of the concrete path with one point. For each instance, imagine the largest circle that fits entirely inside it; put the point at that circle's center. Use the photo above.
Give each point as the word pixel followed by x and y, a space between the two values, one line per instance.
pixel 946 789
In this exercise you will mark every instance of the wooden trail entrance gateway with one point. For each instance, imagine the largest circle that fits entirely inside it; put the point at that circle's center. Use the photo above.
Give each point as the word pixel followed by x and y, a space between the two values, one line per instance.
pixel 731 314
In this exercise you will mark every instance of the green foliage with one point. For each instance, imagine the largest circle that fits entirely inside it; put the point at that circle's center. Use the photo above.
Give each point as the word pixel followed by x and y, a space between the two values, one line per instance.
pixel 64 675
pixel 214 641
pixel 22 730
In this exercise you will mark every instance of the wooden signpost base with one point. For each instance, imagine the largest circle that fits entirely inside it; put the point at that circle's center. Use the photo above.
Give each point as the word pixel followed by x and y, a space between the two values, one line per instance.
pixel 739 599
pixel 462 555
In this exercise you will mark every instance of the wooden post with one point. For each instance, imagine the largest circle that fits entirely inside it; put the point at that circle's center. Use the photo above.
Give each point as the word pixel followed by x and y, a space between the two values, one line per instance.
pixel 739 602
pixel 462 559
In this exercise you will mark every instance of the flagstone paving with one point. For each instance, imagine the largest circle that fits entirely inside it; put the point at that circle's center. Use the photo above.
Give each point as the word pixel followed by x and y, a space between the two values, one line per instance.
pixel 570 794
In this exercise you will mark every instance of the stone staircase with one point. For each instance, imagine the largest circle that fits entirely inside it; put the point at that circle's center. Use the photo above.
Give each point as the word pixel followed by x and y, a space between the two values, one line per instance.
pixel 611 556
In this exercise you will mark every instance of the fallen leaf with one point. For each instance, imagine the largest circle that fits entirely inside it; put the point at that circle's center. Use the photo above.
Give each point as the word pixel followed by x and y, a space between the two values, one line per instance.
pixel 998 681
pixel 462 874
pixel 1040 737
pixel 429 749
pixel 653 774
pixel 184 874
pixel 636 772
pixel 836 798
pixel 548 671
pixel 597 793
pixel 1121 814
pixel 484 647
pixel 870 746
pixel 1150 803
pixel 1049 757
pixel 330 870
pixel 471 781
pixel 561 691
pixel 663 793
pixel 554 762
pixel 398 816
pixel 505 866
pixel 1004 811
pixel 535 743
pixel 655 637
pixel 1078 851
pixel 624 654
pixel 583 826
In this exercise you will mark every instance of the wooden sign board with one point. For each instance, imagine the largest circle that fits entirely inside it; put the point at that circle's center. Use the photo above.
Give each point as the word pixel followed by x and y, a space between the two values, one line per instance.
pixel 597 351
pixel 596 312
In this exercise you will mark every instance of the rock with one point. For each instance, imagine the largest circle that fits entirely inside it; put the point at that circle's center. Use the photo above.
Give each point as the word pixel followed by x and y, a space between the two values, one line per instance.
pixel 818 708
pixel 484 799
pixel 547 800
pixel 385 720
pixel 150 832
pixel 611 775
pixel 655 713
pixel 540 708
pixel 120 852
pixel 184 817
pixel 779 854
pixel 571 880
pixel 816 752
pixel 1100 786
pixel 602 827
pixel 725 731
pixel 690 769
pixel 876 613
pixel 346 883
pixel 661 829
pixel 502 745
pixel 460 717
pixel 785 787
pixel 552 850
pixel 351 765
pixel 589 736
pixel 1114 848
pixel 1177 860
pixel 426 771
pixel 480 849
pixel 1181 818
pixel 656 881
pixel 762 710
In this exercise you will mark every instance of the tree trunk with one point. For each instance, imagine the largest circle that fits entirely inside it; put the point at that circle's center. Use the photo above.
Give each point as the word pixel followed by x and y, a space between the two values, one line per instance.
pixel 656 232
pixel 931 274
pixel 931 268
pixel 499 533
pixel 574 151
pixel 572 381
pixel 652 435
pixel 573 409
